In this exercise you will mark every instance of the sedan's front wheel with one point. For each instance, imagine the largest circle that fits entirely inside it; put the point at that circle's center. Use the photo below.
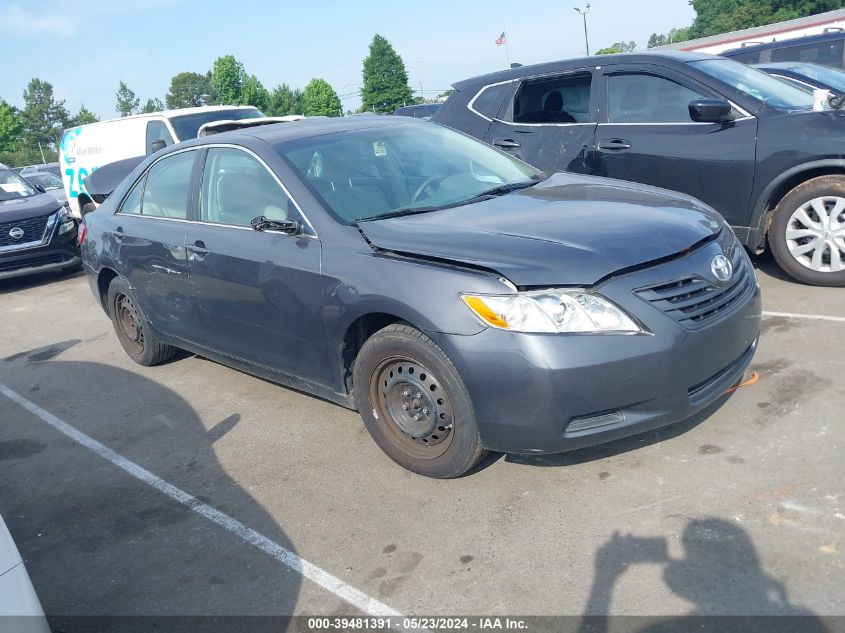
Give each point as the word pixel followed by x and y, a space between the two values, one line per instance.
pixel 807 235
pixel 414 403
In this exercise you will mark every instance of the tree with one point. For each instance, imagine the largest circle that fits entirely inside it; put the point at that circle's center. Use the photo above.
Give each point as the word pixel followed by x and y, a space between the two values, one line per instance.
pixel 254 93
pixel 188 90
pixel 283 101
pixel 83 117
pixel 10 127
pixel 720 16
pixel 320 99
pixel 127 103
pixel 227 77
pixel 618 47
pixel 385 79
pixel 43 117
pixel 153 105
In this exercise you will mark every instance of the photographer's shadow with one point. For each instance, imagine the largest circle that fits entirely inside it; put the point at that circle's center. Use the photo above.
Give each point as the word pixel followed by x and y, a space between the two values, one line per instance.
pixel 719 574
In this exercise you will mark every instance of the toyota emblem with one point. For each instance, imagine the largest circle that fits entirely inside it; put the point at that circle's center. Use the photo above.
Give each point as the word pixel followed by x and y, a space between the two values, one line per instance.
pixel 16 233
pixel 721 268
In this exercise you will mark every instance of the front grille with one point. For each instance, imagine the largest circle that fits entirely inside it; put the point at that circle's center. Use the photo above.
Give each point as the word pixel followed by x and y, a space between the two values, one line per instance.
pixel 694 301
pixel 32 262
pixel 33 230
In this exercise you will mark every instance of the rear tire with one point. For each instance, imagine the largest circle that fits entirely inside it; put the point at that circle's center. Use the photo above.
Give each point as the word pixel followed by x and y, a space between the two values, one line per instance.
pixel 132 327
pixel 415 405
pixel 807 234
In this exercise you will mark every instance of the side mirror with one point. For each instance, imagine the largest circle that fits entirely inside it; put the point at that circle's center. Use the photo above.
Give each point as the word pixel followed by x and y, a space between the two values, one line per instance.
pixel 288 227
pixel 40 189
pixel 710 111
pixel 157 145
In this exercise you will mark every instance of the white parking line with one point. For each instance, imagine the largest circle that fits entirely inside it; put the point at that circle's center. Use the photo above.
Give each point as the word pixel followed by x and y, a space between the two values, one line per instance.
pixel 342 590
pixel 794 315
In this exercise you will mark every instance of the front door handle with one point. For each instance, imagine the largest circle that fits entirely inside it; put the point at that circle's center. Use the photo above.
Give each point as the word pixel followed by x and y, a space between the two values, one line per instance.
pixel 507 143
pixel 614 144
pixel 199 250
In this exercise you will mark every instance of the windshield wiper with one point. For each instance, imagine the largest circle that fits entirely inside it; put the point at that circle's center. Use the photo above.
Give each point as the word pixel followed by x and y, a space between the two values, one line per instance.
pixel 397 213
pixel 501 190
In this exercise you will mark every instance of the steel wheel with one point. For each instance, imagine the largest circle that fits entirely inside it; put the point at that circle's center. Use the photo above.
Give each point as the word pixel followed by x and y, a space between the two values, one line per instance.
pixel 815 234
pixel 412 407
pixel 129 322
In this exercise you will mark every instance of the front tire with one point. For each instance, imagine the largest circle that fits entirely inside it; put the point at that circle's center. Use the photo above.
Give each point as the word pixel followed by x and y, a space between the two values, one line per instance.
pixel 133 330
pixel 415 405
pixel 807 234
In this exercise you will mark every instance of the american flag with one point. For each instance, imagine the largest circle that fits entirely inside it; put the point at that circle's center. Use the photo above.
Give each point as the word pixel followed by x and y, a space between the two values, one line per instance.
pixel 501 40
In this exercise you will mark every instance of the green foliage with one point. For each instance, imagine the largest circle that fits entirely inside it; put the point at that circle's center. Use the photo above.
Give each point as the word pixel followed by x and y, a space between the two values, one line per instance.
pixel 153 105
pixel 188 90
pixel 227 78
pixel 385 79
pixel 320 99
pixel 127 103
pixel 254 93
pixel 618 47
pixel 83 117
pixel 672 37
pixel 10 127
pixel 720 16
pixel 43 117
pixel 283 101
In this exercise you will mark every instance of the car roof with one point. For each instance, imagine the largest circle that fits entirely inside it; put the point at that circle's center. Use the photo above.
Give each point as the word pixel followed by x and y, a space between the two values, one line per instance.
pixel 169 114
pixel 787 43
pixel 677 57
pixel 306 128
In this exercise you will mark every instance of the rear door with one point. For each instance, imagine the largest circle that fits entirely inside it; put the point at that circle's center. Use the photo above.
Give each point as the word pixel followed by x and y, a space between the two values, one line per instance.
pixel 147 235
pixel 549 121
pixel 259 292
pixel 647 136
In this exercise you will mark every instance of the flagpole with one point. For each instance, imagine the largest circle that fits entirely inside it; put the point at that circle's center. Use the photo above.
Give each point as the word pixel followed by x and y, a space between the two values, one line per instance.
pixel 507 50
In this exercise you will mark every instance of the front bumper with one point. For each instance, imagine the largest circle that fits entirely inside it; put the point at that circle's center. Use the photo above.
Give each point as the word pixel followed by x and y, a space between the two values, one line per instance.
pixel 546 393
pixel 60 251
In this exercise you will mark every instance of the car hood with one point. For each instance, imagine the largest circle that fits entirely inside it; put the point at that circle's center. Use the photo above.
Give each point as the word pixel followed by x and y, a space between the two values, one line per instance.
pixel 571 230
pixel 103 181
pixel 25 208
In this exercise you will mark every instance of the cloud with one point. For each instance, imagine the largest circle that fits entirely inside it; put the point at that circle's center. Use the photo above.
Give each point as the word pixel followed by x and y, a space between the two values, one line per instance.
pixel 16 20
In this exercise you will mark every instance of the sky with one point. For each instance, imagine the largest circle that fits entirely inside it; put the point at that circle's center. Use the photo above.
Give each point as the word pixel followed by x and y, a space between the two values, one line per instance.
pixel 86 47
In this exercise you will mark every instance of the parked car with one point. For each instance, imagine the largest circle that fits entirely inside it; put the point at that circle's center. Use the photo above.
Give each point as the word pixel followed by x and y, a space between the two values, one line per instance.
pixel 37 233
pixel 48 183
pixel 50 168
pixel 88 147
pixel 827 48
pixel 421 111
pixel 807 76
pixel 742 141
pixel 459 299
pixel 20 609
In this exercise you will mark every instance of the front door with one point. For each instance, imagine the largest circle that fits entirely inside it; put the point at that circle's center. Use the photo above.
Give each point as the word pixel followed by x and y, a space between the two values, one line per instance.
pixel 259 292
pixel 549 122
pixel 648 137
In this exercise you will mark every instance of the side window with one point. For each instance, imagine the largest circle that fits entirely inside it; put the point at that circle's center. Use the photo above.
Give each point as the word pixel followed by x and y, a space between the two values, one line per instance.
pixel 236 188
pixel 168 188
pixel 132 202
pixel 638 98
pixel 825 53
pixel 157 131
pixel 488 100
pixel 562 99
pixel 746 58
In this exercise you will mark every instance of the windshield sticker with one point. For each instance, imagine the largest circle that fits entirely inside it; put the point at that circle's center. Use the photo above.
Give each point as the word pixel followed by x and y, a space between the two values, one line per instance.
pixel 379 148
pixel 13 187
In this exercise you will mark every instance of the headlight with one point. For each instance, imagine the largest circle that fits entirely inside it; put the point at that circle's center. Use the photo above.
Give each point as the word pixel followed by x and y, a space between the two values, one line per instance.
pixel 65 220
pixel 573 311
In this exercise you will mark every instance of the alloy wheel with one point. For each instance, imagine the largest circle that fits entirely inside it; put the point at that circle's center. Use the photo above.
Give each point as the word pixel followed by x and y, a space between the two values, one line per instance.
pixel 815 234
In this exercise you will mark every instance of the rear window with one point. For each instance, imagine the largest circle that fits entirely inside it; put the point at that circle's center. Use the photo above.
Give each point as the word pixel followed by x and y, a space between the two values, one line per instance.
pixel 187 125
pixel 489 99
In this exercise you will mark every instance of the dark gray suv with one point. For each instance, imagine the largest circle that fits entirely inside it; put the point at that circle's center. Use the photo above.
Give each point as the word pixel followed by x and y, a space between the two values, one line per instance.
pixel 459 299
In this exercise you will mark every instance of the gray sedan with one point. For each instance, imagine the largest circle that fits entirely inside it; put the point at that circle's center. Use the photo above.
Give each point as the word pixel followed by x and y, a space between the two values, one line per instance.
pixel 459 299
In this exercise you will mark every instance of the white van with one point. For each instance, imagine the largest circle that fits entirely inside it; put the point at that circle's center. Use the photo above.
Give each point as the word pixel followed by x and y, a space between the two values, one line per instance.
pixel 87 147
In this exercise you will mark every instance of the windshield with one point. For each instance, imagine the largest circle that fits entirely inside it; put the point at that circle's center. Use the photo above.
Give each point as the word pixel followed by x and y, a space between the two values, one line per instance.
pixel 392 170
pixel 188 125
pixel 13 186
pixel 48 181
pixel 756 84
pixel 832 77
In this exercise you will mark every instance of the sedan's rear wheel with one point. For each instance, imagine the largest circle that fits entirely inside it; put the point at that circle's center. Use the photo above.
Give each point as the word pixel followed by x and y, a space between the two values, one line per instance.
pixel 133 330
pixel 415 405
pixel 807 235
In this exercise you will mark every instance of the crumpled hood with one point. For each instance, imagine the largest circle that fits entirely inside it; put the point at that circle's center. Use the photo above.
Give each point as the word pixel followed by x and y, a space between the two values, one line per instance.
pixel 570 230
pixel 25 208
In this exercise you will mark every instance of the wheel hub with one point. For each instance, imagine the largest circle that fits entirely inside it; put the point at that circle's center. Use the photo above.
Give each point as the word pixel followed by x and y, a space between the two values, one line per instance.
pixel 815 234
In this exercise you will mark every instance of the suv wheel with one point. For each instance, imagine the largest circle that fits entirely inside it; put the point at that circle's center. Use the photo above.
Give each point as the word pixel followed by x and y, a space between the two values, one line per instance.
pixel 414 403
pixel 807 235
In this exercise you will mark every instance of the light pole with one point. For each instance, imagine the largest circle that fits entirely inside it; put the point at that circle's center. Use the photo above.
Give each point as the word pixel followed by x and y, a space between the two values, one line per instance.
pixel 583 14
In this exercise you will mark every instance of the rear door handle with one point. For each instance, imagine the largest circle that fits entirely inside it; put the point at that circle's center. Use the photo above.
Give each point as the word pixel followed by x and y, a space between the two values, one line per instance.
pixel 118 234
pixel 507 143
pixel 199 250
pixel 614 145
